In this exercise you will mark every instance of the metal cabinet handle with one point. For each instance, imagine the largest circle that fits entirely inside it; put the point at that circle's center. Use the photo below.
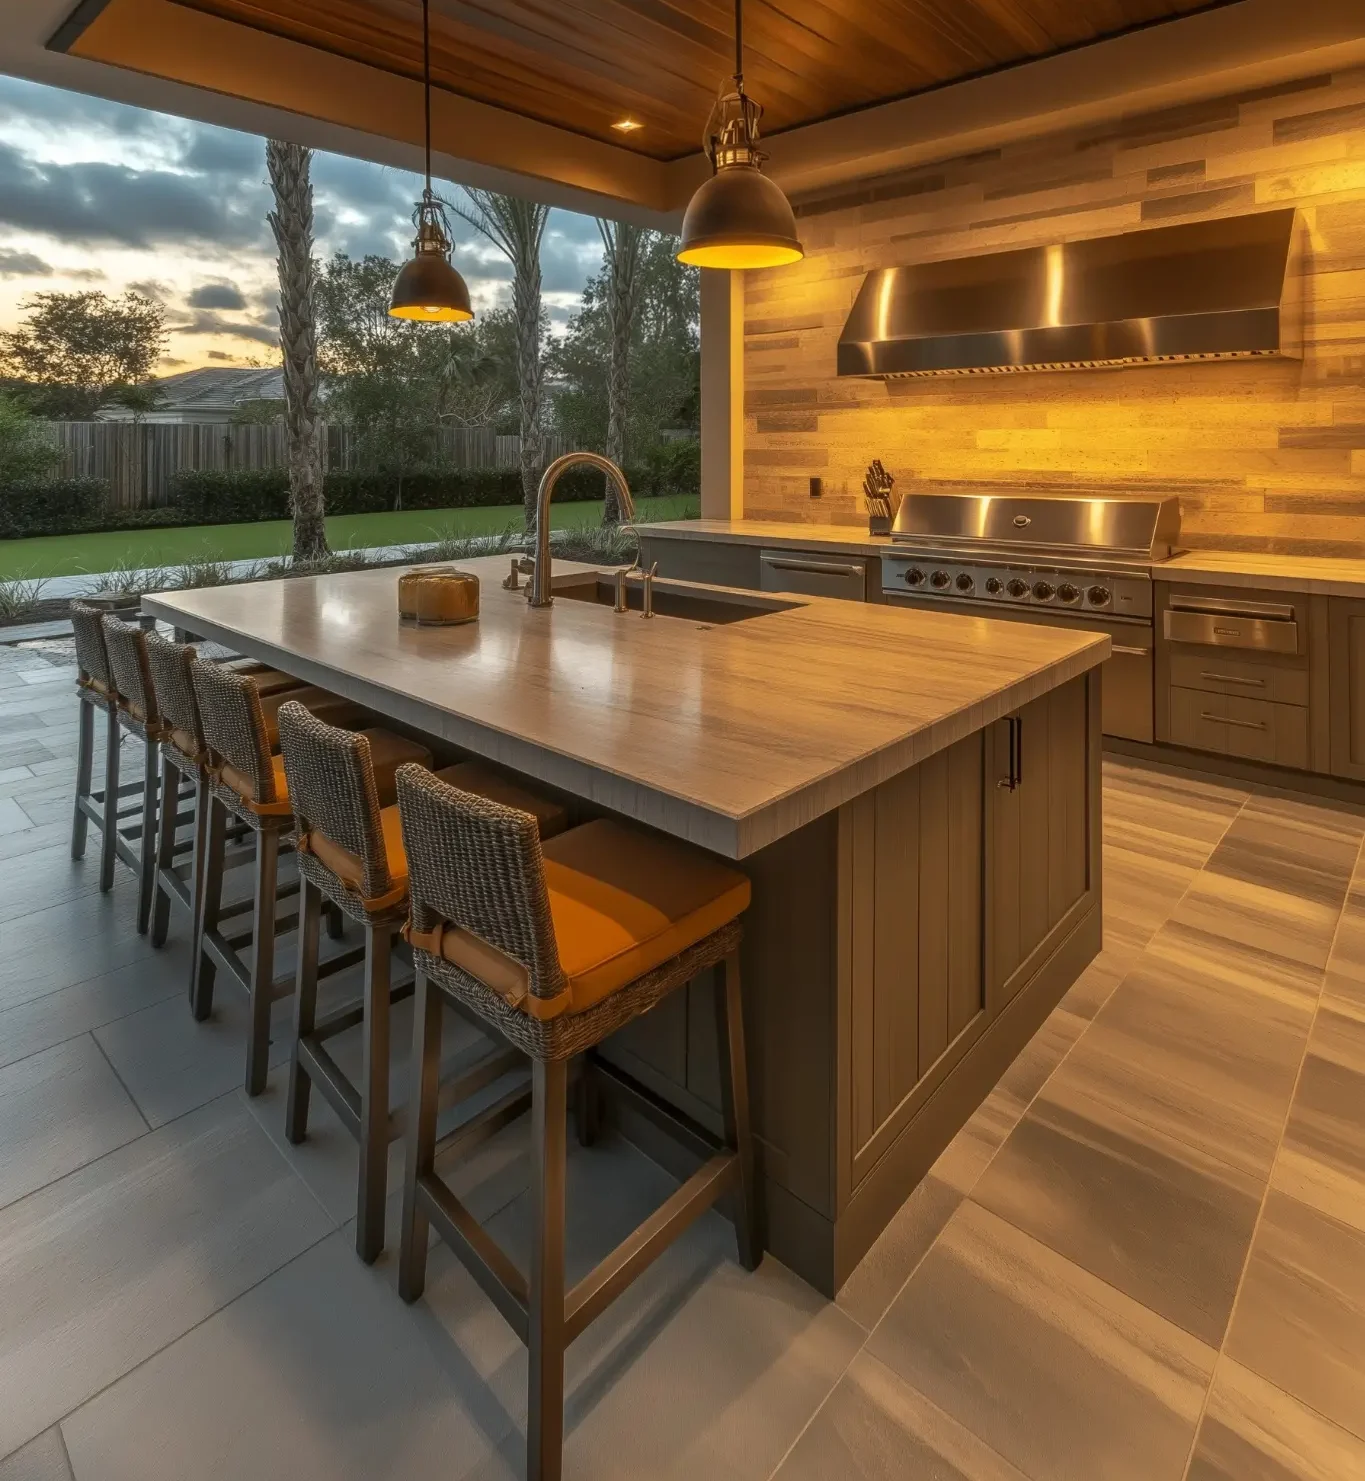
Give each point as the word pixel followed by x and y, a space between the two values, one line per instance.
pixel 1131 652
pixel 814 568
pixel 1228 720
pixel 1015 778
pixel 1226 607
pixel 1232 679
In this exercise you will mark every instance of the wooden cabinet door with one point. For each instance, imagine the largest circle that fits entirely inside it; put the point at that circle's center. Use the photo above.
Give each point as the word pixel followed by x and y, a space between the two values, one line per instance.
pixel 1346 686
pixel 1039 842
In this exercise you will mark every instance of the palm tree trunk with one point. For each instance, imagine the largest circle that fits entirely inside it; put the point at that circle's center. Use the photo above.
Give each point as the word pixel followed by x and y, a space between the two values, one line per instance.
pixel 292 223
pixel 530 373
pixel 622 243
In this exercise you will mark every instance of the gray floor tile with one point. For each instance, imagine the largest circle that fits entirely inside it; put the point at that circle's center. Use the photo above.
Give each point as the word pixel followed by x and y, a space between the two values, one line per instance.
pixel 319 1374
pixel 1252 1431
pixel 59 1110
pixel 43 1459
pixel 45 877
pixel 1300 1319
pixel 1061 1374
pixel 1163 1223
pixel 873 1427
pixel 106 1267
pixel 71 942
pixel 62 1015
pixel 901 1246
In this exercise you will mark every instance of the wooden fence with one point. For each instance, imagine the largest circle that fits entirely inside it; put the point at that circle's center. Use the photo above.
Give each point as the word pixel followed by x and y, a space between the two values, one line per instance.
pixel 139 461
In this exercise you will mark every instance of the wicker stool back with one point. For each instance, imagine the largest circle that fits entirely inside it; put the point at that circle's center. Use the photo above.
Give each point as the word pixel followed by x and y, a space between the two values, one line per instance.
pixel 172 666
pixel 332 788
pixel 476 864
pixel 234 726
pixel 92 658
pixel 126 645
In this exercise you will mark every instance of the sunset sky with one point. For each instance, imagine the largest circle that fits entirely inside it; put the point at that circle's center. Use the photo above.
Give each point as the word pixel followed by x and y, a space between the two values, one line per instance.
pixel 95 194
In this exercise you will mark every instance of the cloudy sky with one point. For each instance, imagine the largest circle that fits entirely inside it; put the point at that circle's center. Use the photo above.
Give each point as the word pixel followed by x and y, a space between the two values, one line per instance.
pixel 96 194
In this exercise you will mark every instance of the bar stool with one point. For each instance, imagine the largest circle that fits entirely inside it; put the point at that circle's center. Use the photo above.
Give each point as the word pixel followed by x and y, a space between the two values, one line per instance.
pixel 349 847
pixel 184 755
pixel 246 781
pixel 557 947
pixel 96 691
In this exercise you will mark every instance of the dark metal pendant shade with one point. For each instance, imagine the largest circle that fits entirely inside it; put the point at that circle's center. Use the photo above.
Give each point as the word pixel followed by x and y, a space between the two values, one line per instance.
pixel 428 288
pixel 739 218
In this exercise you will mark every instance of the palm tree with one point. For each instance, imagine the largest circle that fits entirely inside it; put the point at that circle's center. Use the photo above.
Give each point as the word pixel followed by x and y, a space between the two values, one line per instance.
pixel 516 228
pixel 622 244
pixel 292 223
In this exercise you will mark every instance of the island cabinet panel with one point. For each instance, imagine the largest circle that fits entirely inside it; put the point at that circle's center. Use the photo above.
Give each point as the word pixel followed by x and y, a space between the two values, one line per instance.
pixel 715 562
pixel 1346 686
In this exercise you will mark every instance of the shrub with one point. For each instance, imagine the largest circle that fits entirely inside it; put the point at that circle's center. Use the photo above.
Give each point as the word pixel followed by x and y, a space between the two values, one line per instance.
pixel 670 468
pixel 51 508
pixel 239 496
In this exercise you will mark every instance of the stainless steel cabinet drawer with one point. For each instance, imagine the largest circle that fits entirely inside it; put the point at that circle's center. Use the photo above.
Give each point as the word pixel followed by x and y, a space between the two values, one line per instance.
pixel 1254 729
pixel 1222 622
pixel 813 574
pixel 1248 677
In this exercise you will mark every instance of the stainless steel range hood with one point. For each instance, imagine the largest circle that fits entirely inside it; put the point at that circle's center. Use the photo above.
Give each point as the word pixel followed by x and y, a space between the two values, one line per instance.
pixel 1206 290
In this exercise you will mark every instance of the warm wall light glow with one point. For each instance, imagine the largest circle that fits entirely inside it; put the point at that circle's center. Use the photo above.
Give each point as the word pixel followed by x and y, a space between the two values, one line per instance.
pixel 430 313
pixel 741 255
pixel 627 125
pixel 1055 260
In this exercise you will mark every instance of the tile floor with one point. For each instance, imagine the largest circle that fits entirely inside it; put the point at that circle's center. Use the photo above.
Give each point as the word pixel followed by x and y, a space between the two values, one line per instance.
pixel 1143 1258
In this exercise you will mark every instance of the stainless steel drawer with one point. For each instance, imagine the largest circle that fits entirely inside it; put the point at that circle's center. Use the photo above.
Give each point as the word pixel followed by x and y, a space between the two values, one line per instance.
pixel 1254 729
pixel 813 574
pixel 1251 678
pixel 1221 622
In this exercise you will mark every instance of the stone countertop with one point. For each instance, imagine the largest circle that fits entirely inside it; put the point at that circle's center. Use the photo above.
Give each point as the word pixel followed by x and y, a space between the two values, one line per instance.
pixel 731 735
pixel 834 539
pixel 1312 574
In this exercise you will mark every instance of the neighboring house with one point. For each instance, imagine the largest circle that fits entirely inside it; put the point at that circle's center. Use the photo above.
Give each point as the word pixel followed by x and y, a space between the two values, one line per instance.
pixel 214 394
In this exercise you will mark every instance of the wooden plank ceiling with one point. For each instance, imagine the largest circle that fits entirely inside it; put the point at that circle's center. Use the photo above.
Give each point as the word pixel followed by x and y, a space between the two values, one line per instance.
pixel 586 64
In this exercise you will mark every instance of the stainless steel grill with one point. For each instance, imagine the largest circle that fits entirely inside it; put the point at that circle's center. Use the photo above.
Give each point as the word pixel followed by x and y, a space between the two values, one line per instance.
pixel 1058 559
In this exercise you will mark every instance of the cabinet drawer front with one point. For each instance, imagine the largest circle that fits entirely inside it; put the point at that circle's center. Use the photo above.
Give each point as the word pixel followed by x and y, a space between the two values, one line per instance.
pixel 1245 677
pixel 1254 729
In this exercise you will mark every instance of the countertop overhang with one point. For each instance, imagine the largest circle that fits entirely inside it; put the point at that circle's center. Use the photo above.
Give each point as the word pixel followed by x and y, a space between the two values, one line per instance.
pixel 730 736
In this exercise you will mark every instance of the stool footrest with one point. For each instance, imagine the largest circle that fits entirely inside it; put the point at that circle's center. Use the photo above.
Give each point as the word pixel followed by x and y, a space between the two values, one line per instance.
pixel 602 1285
pixel 328 1077
pixel 678 1124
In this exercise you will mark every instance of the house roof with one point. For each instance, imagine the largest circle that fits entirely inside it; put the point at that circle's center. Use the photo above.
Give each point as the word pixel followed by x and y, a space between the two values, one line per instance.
pixel 218 388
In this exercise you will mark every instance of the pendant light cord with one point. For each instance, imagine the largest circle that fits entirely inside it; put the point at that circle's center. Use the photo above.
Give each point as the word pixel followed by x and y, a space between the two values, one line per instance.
pixel 739 45
pixel 426 83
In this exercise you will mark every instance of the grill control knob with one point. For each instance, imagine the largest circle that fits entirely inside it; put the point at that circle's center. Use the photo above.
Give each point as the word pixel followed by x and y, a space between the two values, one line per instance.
pixel 939 580
pixel 1043 591
pixel 1098 596
pixel 994 585
pixel 964 582
pixel 1068 593
pixel 914 577
pixel 1017 588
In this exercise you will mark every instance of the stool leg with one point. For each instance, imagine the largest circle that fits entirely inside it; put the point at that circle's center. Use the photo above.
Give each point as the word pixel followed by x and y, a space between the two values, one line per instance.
pixel 147 843
pixel 424 1081
pixel 165 851
pixel 210 904
pixel 109 827
pixel 374 1097
pixel 545 1413
pixel 305 1010
pixel 336 922
pixel 734 1082
pixel 85 764
pixel 262 959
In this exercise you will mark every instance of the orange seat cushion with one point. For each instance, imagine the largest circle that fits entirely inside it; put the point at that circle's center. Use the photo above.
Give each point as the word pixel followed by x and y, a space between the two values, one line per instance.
pixel 266 679
pixel 497 786
pixel 623 902
pixel 389 751
pixel 349 868
pixel 327 706
pixel 245 786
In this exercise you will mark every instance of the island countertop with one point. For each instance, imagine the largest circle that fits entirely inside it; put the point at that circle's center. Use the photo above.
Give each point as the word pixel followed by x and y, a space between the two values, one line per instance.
pixel 731 736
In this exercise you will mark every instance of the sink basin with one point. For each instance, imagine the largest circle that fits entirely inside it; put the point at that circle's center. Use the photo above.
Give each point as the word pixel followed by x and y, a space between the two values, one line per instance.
pixel 677 599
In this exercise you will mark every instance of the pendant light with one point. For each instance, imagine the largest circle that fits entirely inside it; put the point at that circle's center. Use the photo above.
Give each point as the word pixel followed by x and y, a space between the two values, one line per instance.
pixel 428 288
pixel 738 218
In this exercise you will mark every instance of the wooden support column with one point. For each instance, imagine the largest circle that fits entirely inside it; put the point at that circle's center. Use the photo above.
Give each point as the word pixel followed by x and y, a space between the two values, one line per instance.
pixel 722 394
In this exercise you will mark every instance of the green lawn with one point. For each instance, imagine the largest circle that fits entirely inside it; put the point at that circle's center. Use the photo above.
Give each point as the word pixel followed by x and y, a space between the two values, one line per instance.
pixel 74 555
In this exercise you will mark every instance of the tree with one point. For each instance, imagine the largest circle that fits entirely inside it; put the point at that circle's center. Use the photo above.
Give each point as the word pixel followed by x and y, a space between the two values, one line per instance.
pixel 396 382
pixel 664 363
pixel 27 449
pixel 80 347
pixel 621 243
pixel 516 228
pixel 292 223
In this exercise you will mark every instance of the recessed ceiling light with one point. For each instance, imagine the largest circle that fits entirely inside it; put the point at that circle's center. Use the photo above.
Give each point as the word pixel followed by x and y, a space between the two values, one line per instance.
pixel 627 125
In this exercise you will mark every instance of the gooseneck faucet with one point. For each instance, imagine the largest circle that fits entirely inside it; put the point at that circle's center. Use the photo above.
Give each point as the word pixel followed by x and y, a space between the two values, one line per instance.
pixel 538 594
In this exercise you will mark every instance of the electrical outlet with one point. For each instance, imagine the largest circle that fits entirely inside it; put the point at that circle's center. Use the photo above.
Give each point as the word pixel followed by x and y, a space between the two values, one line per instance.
pixel 816 489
